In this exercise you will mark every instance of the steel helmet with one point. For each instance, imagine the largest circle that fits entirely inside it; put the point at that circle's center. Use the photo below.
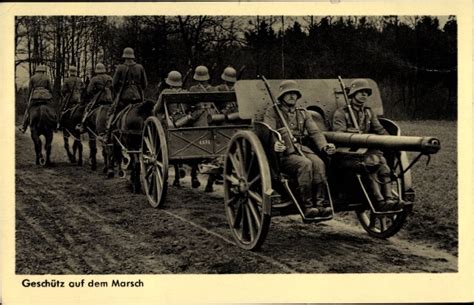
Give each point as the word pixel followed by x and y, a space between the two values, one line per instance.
pixel 72 70
pixel 41 68
pixel 201 73
pixel 128 53
pixel 100 68
pixel 174 79
pixel 357 85
pixel 229 75
pixel 289 86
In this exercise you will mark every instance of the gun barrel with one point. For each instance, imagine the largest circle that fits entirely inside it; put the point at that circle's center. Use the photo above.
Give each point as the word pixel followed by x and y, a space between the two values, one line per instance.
pixel 426 145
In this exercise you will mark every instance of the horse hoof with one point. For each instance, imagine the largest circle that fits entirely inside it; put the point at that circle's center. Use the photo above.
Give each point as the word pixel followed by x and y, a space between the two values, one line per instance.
pixel 110 175
pixel 42 161
pixel 176 183
pixel 208 189
pixel 195 183
pixel 93 167
pixel 79 163
pixel 104 170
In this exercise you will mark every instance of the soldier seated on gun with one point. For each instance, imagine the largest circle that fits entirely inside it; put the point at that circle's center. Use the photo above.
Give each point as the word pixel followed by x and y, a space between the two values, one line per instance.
pixel 39 91
pixel 309 170
pixel 373 161
pixel 100 88
pixel 177 111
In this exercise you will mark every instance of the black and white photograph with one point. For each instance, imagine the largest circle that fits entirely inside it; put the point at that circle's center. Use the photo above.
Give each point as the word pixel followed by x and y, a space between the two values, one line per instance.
pixel 235 144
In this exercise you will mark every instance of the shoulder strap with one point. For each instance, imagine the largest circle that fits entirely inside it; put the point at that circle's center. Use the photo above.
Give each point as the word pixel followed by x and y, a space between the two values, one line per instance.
pixel 348 119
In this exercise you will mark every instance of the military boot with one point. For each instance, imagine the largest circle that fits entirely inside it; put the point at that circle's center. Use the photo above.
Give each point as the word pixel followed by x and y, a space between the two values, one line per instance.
pixel 393 203
pixel 380 205
pixel 308 210
pixel 320 200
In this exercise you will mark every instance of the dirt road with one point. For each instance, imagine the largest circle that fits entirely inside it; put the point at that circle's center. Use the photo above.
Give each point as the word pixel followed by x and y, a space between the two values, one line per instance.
pixel 71 220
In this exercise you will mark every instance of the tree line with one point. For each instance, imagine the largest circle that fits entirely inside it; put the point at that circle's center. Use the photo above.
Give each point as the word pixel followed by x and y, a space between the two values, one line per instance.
pixel 412 58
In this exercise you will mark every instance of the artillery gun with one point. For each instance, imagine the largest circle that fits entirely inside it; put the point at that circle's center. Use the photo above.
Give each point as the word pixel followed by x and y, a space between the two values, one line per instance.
pixel 254 188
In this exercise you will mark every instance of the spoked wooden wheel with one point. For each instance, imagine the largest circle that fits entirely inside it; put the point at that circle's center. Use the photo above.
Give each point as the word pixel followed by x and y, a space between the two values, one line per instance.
pixel 381 226
pixel 247 184
pixel 385 226
pixel 154 162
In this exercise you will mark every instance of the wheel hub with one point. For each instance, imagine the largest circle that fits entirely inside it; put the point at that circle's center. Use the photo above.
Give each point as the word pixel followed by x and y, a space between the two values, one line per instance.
pixel 243 186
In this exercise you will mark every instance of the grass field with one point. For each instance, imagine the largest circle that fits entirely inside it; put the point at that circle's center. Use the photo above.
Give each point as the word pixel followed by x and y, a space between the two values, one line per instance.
pixel 435 216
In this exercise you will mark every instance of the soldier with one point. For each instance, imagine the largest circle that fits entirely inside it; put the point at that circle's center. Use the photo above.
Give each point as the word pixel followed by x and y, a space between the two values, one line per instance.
pixel 100 89
pixel 39 91
pixel 203 109
pixel 309 170
pixel 201 75
pixel 129 83
pixel 175 82
pixel 72 89
pixel 229 76
pixel 374 161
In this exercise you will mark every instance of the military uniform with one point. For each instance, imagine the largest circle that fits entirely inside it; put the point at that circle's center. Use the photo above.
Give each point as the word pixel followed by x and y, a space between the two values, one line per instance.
pixel 229 107
pixel 203 109
pixel 100 86
pixel 129 83
pixel 72 89
pixel 40 88
pixel 372 163
pixel 100 89
pixel 172 108
pixel 39 91
pixel 133 78
pixel 307 172
pixel 368 122
pixel 225 88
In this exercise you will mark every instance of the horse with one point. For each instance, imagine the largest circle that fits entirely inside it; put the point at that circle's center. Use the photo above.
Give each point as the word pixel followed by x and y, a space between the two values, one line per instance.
pixel 42 122
pixel 127 133
pixel 95 126
pixel 68 122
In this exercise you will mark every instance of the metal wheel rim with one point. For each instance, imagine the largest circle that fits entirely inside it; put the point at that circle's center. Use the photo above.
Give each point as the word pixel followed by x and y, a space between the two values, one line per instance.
pixel 383 226
pixel 154 162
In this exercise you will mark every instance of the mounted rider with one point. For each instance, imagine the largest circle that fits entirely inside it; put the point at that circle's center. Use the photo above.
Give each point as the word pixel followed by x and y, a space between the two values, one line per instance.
pixel 100 88
pixel 309 170
pixel 40 91
pixel 373 162
pixel 71 92
pixel 129 83
pixel 72 89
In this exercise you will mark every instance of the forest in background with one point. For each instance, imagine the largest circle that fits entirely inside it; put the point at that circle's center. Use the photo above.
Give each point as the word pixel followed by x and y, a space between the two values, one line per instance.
pixel 412 58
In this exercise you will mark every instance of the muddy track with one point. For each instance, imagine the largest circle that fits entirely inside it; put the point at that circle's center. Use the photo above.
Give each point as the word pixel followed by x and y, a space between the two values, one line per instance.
pixel 71 220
